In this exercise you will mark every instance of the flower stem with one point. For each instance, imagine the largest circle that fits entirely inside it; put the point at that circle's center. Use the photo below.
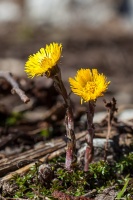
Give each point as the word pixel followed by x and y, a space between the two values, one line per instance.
pixel 69 122
pixel 71 141
pixel 89 136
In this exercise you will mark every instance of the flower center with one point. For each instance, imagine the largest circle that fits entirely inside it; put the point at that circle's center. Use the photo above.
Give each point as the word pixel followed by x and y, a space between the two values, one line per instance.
pixel 90 87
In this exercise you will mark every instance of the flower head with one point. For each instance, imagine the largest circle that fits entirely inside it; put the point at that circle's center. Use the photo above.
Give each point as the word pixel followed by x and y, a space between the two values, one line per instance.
pixel 44 60
pixel 89 85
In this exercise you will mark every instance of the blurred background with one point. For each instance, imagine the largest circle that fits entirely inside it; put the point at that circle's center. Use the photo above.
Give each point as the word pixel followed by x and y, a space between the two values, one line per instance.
pixel 95 34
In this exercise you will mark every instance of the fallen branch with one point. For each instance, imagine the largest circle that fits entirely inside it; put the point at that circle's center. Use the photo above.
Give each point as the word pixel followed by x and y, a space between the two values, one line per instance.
pixel 15 87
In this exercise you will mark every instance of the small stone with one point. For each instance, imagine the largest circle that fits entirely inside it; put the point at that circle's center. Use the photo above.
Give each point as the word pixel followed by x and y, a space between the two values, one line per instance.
pixel 100 142
pixel 45 173
pixel 99 116
pixel 126 115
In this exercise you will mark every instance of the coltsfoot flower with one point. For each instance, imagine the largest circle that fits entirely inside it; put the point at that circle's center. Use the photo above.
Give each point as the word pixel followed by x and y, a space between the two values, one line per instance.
pixel 89 85
pixel 44 61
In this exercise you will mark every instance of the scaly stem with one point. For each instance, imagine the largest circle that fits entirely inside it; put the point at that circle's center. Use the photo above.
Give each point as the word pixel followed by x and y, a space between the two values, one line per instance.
pixel 71 141
pixel 69 121
pixel 89 135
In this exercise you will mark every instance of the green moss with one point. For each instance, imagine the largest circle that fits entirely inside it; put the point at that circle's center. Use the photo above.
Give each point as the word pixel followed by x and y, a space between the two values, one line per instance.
pixel 125 164
pixel 76 182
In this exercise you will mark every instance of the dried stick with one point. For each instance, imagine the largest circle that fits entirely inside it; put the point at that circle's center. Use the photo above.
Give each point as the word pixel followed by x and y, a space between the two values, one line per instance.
pixel 27 167
pixel 15 87
pixel 46 157
pixel 89 135
pixel 111 107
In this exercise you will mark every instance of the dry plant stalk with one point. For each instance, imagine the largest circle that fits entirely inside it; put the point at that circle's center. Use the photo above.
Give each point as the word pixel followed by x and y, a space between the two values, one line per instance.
pixel 15 88
pixel 111 108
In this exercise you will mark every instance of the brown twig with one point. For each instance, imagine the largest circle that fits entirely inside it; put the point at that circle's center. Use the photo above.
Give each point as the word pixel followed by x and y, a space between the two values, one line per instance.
pixel 15 87
pixel 111 107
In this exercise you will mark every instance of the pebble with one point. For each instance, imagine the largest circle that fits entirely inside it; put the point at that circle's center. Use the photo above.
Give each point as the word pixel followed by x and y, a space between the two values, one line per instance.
pixel 100 142
pixel 99 116
pixel 126 115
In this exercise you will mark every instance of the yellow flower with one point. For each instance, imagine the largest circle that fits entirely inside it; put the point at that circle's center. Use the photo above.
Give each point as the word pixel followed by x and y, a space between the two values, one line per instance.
pixel 44 60
pixel 89 85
